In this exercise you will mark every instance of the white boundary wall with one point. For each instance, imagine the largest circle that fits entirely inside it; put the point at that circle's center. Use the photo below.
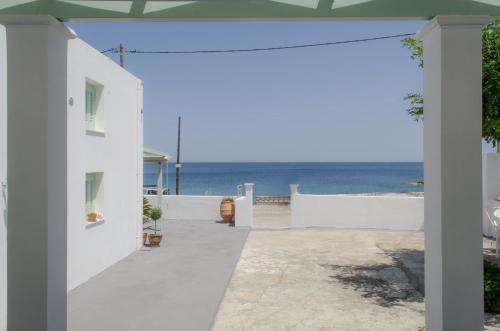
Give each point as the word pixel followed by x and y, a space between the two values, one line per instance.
pixel 116 153
pixel 189 207
pixel 356 211
pixel 205 207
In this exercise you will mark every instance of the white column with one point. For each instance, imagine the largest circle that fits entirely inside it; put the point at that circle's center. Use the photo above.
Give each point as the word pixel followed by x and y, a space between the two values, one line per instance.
pixel 452 150
pixel 37 172
pixel 3 181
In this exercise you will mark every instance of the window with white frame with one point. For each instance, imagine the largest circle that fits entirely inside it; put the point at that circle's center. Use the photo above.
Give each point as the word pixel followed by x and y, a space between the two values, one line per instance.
pixel 93 197
pixel 93 111
pixel 90 106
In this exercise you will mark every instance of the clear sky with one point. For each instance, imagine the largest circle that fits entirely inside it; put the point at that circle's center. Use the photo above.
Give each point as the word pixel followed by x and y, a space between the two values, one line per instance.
pixel 333 103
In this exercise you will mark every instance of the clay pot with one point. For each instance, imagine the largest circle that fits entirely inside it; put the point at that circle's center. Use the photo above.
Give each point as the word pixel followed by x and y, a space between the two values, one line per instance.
pixel 155 239
pixel 227 210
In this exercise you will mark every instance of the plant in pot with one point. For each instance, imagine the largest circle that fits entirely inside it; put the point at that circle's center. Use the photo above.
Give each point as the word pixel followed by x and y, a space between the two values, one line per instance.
pixel 155 238
pixel 146 215
pixel 227 209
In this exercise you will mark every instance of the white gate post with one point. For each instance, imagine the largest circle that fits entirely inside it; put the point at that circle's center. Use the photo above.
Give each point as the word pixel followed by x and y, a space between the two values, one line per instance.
pixel 452 150
pixel 37 172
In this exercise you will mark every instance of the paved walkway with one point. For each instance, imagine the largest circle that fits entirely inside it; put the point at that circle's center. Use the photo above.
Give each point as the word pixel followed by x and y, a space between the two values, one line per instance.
pixel 175 287
pixel 271 216
pixel 339 280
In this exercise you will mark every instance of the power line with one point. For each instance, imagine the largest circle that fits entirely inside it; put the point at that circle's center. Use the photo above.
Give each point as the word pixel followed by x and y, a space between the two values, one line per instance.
pixel 263 49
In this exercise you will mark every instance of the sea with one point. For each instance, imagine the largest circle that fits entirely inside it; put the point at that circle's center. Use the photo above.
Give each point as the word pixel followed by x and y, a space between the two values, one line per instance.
pixel 273 179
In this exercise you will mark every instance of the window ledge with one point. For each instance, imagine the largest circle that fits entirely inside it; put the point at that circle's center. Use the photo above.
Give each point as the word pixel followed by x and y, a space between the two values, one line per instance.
pixel 89 225
pixel 95 133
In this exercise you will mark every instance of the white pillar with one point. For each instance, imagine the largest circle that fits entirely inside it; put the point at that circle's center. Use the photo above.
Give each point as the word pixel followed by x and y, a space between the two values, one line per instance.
pixel 294 189
pixel 37 172
pixel 452 150
pixel 3 181
pixel 249 196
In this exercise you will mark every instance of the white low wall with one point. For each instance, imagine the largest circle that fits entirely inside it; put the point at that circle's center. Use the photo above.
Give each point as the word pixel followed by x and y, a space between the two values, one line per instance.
pixel 357 212
pixel 189 207
pixel 205 208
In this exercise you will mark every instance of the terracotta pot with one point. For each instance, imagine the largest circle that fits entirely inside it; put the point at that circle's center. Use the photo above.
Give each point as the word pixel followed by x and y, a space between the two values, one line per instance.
pixel 227 211
pixel 144 238
pixel 155 239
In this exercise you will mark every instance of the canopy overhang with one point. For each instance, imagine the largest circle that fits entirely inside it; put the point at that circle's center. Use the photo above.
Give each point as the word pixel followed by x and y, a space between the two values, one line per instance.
pixel 146 10
pixel 153 155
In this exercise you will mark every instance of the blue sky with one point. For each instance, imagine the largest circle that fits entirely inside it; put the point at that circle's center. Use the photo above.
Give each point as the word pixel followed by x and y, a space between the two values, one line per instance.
pixel 333 103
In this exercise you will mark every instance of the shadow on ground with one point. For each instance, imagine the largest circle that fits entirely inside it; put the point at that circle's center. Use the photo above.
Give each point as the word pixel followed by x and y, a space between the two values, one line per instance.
pixel 387 284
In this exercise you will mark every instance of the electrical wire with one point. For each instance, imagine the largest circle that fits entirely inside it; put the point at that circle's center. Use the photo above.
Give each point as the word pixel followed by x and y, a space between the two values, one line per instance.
pixel 263 49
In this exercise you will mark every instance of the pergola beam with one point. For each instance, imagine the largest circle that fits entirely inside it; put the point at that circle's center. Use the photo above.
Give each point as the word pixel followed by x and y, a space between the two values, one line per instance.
pixel 247 9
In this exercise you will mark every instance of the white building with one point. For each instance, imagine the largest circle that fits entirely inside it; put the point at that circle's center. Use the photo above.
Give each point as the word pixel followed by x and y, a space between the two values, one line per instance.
pixel 104 165
pixel 104 162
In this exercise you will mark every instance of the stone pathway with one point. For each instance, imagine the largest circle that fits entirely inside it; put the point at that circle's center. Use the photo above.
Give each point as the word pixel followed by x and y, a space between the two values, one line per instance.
pixel 328 280
pixel 271 216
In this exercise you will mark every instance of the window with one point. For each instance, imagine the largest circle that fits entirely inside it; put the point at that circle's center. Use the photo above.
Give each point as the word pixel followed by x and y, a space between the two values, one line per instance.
pixel 93 196
pixel 91 106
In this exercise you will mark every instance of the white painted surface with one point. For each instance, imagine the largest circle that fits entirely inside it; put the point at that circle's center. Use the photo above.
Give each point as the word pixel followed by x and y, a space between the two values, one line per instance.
pixel 189 207
pixel 357 212
pixel 452 151
pixel 116 153
pixel 3 181
pixel 244 208
pixel 37 172
pixel 491 189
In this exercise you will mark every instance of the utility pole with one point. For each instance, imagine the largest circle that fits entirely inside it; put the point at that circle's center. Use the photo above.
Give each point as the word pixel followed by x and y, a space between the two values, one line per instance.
pixel 122 56
pixel 178 164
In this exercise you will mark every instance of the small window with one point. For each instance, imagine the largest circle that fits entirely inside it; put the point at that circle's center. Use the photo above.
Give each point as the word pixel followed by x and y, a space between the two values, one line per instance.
pixel 91 106
pixel 93 195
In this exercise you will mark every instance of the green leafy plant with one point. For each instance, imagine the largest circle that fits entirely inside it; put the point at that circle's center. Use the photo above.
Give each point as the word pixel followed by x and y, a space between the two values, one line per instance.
pixel 146 210
pixel 491 82
pixel 491 287
pixel 156 214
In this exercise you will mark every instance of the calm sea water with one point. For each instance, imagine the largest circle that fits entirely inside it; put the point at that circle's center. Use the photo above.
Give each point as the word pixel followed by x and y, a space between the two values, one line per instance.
pixel 274 178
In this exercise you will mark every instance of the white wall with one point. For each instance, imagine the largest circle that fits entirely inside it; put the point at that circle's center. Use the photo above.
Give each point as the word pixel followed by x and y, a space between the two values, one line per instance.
pixel 357 212
pixel 117 153
pixel 491 189
pixel 3 178
pixel 189 207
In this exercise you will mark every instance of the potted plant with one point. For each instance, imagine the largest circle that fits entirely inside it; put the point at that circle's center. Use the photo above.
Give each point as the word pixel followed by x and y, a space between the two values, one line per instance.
pixel 227 209
pixel 146 214
pixel 155 239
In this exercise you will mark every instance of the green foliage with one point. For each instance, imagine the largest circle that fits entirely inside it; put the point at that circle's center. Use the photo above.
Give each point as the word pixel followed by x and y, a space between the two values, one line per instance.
pixel 146 210
pixel 491 81
pixel 156 214
pixel 491 287
pixel 416 49
pixel 417 105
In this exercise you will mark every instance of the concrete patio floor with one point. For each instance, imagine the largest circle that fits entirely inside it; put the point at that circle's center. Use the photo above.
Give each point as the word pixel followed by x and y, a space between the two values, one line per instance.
pixel 322 279
pixel 177 286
